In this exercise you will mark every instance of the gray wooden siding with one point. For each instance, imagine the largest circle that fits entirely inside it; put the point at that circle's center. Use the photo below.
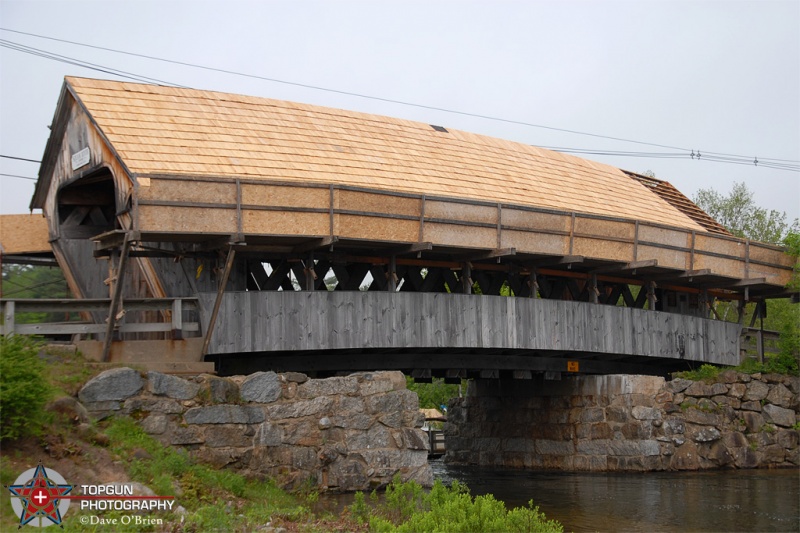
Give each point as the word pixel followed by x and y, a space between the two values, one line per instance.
pixel 322 320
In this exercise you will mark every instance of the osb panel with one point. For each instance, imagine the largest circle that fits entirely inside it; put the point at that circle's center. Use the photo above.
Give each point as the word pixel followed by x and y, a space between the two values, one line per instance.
pixel 284 223
pixel 669 237
pixel 371 228
pixel 599 248
pixel 665 257
pixel 720 246
pixel 604 228
pixel 462 212
pixel 768 255
pixel 379 203
pixel 24 234
pixel 453 235
pixel 276 195
pixel 534 220
pixel 723 267
pixel 533 243
pixel 189 191
pixel 186 219
pixel 165 129
pixel 773 275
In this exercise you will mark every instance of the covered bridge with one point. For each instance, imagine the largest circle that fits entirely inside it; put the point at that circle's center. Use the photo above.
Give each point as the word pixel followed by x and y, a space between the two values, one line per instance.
pixel 321 239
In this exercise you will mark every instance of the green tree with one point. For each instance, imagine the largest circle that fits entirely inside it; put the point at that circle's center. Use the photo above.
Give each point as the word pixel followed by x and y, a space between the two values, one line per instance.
pixel 741 216
pixel 24 281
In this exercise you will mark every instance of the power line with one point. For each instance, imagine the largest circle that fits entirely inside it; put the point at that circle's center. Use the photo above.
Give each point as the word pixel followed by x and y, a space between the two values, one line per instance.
pixel 376 98
pixel 18 176
pixel 20 158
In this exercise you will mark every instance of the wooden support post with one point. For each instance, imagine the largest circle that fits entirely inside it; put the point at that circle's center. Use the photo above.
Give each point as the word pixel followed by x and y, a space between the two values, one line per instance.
pixel 534 282
pixel 218 301
pixel 760 345
pixel 8 314
pixel 593 292
pixel 391 280
pixel 310 275
pixel 466 278
pixel 177 319
pixel 115 299
pixel 651 295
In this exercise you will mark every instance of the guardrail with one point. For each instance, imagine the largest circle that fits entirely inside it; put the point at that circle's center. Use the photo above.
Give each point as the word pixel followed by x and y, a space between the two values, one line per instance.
pixel 756 342
pixel 170 310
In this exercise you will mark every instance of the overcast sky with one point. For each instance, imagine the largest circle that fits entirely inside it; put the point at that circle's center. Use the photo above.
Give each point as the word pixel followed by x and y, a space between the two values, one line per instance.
pixel 715 77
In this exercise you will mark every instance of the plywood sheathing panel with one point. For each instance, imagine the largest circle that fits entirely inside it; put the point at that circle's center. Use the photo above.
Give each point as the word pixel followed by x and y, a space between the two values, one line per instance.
pixel 170 130
pixel 457 211
pixel 358 227
pixel 728 247
pixel 533 220
pixel 605 228
pixel 285 223
pixel 24 234
pixel 667 237
pixel 732 268
pixel 462 236
pixel 666 257
pixel 535 243
pixel 601 248
pixel 171 219
pixel 189 191
pixel 379 203
pixel 275 195
pixel 765 254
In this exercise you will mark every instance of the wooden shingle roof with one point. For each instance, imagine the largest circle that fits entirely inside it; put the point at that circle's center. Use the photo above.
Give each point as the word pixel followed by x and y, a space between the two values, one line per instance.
pixel 167 130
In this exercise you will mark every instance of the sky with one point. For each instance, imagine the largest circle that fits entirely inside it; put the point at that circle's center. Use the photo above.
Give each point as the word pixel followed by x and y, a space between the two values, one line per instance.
pixel 714 77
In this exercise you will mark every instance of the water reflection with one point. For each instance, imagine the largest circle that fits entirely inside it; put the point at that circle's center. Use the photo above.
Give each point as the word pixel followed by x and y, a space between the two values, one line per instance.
pixel 742 500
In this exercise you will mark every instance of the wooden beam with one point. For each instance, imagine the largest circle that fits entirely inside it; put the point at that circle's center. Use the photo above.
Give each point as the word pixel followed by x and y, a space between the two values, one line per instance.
pixel 635 265
pixel 488 254
pixel 748 282
pixel 315 244
pixel 410 248
pixel 112 310
pixel 218 301
pixel 556 261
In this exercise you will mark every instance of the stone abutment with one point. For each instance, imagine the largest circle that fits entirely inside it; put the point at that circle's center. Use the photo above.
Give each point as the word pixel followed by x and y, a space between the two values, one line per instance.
pixel 627 423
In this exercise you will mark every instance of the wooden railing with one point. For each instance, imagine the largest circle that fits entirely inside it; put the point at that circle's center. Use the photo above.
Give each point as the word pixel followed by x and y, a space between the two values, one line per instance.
pixel 170 312
pixel 757 342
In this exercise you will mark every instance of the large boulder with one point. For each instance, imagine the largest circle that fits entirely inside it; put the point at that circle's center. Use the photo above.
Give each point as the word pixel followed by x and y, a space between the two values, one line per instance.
pixel 261 387
pixel 116 384
pixel 171 386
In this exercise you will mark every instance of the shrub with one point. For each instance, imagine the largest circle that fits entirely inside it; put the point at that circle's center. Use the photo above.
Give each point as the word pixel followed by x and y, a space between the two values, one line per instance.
pixel 24 389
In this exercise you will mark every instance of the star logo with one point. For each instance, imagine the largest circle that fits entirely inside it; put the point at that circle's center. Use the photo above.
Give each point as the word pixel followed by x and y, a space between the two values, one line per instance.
pixel 37 497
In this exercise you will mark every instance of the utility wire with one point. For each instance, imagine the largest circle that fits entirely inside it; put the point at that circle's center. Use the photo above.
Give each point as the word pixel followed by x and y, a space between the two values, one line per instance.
pixel 370 97
pixel 20 158
pixel 17 176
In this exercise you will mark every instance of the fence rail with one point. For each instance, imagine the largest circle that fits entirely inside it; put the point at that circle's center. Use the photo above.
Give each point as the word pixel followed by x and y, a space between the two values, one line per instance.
pixel 171 309
pixel 757 342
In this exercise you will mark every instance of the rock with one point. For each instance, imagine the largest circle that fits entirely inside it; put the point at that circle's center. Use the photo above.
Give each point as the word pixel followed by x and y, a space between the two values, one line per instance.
pixel 228 435
pixel 703 434
pixel 703 418
pixel 744 457
pixel 645 413
pixel 224 414
pixel 718 389
pixel 154 424
pixel 261 387
pixel 171 386
pixel 221 390
pixel 698 389
pixel 728 376
pixel 156 405
pixel 299 408
pixel 678 385
pixel 70 408
pixel 756 391
pixel 788 438
pixel 753 421
pixel 781 396
pixel 780 416
pixel 268 435
pixel 116 384
pixel 737 390
pixel 295 377
pixel 751 406
pixel 685 457
pixel 324 423
pixel 316 388
pixel 415 439
pixel 184 436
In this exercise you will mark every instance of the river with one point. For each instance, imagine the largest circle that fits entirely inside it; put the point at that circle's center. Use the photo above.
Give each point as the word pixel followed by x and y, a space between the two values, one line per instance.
pixel 729 500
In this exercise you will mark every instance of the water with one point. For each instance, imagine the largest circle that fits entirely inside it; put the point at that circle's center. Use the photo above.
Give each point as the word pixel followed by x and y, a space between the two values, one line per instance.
pixel 731 500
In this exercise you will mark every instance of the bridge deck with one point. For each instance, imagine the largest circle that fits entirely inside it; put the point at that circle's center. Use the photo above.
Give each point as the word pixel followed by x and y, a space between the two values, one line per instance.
pixel 331 331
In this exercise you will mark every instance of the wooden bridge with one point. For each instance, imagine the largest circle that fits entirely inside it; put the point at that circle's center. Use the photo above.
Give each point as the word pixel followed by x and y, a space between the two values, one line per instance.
pixel 324 240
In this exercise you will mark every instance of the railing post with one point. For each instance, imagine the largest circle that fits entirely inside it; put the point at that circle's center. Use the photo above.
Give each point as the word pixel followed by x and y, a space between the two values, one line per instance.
pixel 8 314
pixel 177 319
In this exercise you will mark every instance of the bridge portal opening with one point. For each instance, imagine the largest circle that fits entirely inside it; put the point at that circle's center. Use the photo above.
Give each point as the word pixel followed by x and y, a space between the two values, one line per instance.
pixel 87 207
